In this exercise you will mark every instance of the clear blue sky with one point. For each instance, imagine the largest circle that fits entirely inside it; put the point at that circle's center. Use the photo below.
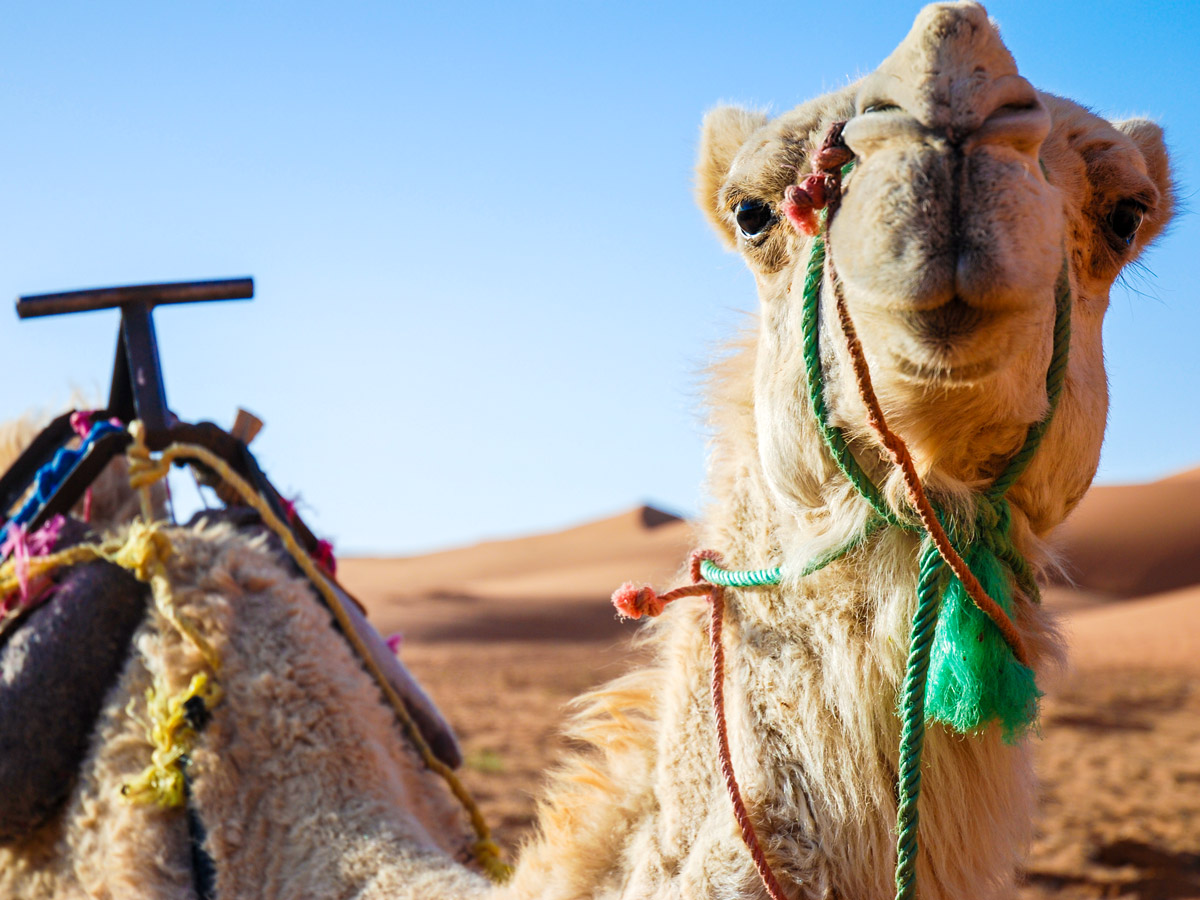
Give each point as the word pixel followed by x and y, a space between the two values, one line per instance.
pixel 484 295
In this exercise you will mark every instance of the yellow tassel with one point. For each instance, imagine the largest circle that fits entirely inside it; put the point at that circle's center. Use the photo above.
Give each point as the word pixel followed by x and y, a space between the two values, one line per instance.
pixel 487 854
pixel 172 731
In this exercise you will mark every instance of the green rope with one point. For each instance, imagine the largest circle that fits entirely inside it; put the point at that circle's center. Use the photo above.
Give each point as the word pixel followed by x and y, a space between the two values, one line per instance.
pixel 834 439
pixel 912 720
pixel 959 669
pixel 714 574
pixel 746 578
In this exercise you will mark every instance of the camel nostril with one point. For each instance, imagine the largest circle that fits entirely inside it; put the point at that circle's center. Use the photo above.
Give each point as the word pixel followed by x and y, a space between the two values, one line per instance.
pixel 1023 128
pixel 1018 117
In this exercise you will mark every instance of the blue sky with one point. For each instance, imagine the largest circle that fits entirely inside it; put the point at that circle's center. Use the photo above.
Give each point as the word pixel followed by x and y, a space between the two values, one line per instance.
pixel 484 295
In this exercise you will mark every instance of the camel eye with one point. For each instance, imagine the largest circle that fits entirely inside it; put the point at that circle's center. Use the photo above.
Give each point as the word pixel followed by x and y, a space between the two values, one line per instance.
pixel 1126 219
pixel 881 107
pixel 753 216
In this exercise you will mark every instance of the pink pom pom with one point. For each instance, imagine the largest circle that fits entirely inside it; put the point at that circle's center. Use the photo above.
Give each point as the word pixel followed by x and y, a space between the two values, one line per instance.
pixel 801 202
pixel 324 557
pixel 289 509
pixel 633 602
pixel 394 641
pixel 798 207
pixel 81 422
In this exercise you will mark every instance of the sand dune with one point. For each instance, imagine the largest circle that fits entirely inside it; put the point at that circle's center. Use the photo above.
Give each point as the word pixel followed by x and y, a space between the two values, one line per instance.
pixel 544 587
pixel 1160 632
pixel 1133 540
pixel 1192 474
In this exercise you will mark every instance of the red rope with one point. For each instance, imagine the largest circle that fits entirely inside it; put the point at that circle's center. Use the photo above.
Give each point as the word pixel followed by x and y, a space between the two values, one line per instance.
pixel 749 835
pixel 822 189
pixel 634 602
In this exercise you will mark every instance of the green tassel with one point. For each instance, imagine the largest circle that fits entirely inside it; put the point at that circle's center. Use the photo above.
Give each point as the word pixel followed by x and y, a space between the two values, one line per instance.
pixel 974 679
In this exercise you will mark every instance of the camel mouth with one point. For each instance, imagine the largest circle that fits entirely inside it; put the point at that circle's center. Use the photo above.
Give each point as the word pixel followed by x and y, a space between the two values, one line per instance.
pixel 945 338
pixel 943 327
pixel 945 372
pixel 945 343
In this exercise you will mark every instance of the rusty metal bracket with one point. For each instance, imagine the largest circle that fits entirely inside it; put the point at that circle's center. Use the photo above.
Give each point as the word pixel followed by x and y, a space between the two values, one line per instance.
pixel 137 389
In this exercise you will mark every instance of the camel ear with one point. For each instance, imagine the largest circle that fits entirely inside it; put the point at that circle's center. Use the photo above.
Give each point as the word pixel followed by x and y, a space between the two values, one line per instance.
pixel 723 133
pixel 1148 137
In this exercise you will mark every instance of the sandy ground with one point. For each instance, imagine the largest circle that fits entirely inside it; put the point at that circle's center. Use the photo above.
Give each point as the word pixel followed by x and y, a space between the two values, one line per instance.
pixel 505 634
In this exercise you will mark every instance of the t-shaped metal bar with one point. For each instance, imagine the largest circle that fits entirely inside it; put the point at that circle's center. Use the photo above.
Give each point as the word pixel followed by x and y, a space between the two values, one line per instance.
pixel 137 385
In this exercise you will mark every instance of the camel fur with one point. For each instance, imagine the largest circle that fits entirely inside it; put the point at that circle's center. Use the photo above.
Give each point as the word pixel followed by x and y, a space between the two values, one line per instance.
pixel 947 245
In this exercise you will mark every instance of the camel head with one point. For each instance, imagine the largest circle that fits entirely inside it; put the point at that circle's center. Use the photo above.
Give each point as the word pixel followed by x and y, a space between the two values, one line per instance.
pixel 969 192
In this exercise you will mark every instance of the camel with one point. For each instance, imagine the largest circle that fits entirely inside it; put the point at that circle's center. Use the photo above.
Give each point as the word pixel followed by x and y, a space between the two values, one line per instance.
pixel 947 247
pixel 971 193
pixel 302 784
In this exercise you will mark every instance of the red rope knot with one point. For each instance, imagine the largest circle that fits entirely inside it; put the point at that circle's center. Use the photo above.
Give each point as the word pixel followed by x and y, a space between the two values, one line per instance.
pixel 833 152
pixel 633 602
pixel 823 188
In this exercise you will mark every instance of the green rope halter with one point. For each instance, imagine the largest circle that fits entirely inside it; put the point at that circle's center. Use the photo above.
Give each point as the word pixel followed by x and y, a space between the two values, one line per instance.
pixel 960 671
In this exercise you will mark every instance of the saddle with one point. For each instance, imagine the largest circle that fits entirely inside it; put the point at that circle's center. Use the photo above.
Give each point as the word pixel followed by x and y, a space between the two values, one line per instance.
pixel 62 651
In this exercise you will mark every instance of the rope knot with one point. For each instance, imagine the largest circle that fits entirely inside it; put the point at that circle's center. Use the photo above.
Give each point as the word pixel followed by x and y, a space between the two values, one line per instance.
pixel 174 720
pixel 823 188
pixel 833 152
pixel 801 202
pixel 146 548
pixel 993 514
pixel 633 602
pixel 144 470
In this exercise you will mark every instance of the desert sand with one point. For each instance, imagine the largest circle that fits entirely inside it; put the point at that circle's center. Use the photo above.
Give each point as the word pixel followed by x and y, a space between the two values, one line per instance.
pixel 505 633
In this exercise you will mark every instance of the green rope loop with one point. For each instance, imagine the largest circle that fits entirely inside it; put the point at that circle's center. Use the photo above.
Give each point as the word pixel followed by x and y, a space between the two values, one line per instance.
pixel 834 439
